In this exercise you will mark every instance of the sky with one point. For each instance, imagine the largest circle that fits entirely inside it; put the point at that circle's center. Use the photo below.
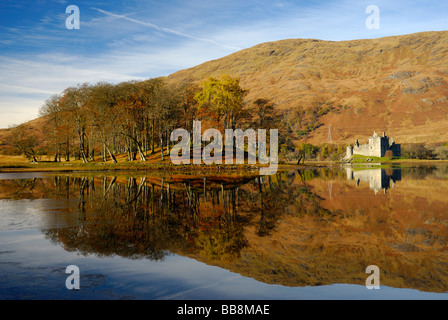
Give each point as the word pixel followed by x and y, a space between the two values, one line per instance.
pixel 41 54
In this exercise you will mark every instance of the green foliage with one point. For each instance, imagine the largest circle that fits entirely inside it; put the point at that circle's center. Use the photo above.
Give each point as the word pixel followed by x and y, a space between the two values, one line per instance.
pixel 225 96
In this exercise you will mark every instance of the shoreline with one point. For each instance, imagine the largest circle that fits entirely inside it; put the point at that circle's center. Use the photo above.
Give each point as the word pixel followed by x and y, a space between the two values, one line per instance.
pixel 168 167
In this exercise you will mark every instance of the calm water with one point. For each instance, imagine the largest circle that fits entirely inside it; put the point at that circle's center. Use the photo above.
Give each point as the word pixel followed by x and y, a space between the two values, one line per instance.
pixel 300 234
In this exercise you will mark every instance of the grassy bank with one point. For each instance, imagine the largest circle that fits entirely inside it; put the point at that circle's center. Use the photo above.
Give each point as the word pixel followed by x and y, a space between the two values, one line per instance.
pixel 358 159
pixel 154 163
pixel 21 164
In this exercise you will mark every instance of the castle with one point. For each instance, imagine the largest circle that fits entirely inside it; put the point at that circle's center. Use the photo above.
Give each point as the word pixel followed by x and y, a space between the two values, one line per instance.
pixel 377 147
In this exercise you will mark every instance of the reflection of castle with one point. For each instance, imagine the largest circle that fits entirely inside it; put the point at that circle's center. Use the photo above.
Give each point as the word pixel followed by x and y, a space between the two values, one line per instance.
pixel 377 147
pixel 378 179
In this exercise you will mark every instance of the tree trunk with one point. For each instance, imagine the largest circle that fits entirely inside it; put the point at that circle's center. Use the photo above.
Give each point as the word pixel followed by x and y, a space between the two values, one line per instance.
pixel 67 151
pixel 140 151
pixel 103 152
pixel 110 153
pixel 167 143
pixel 152 136
pixel 81 145
pixel 161 142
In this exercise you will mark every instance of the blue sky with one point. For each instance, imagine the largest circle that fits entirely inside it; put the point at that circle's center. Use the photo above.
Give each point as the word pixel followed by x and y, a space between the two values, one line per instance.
pixel 136 39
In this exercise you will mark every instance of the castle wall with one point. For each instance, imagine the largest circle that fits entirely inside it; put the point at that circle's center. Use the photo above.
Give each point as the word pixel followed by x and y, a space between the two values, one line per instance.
pixel 367 150
pixel 377 147
pixel 372 149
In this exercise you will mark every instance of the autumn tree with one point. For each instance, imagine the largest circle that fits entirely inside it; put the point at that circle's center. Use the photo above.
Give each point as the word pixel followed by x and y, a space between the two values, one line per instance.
pixel 75 102
pixel 25 142
pixel 128 116
pixel 167 111
pixel 130 112
pixel 264 113
pixel 103 116
pixel 51 110
pixel 225 97
pixel 188 104
pixel 148 98
pixel 304 151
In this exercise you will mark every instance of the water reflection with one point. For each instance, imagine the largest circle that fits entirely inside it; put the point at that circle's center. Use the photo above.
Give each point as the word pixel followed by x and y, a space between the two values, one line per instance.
pixel 378 179
pixel 296 228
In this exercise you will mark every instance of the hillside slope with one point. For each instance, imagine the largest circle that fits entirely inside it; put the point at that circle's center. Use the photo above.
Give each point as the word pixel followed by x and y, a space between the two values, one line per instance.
pixel 394 84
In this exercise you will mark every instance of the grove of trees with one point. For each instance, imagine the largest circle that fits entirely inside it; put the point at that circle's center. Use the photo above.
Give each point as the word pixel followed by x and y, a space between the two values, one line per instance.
pixel 103 120
pixel 127 118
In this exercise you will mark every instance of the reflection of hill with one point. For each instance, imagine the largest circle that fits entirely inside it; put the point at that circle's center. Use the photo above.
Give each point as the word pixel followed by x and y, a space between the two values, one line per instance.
pixel 301 228
pixel 325 238
pixel 403 232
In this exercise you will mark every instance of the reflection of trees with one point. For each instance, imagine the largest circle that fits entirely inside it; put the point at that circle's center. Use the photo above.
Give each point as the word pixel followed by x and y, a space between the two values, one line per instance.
pixel 23 188
pixel 150 217
pixel 153 216
pixel 280 221
pixel 270 198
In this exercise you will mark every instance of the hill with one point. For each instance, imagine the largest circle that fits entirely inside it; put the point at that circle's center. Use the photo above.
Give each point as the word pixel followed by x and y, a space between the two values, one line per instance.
pixel 394 84
pixel 342 90
pixel 35 127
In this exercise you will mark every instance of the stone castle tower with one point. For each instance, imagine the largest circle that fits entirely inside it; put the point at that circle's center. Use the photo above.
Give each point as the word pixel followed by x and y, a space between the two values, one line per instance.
pixel 377 147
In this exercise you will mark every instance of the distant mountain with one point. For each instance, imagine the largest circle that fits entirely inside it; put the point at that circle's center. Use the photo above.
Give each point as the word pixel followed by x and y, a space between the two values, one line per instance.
pixel 342 90
pixel 396 84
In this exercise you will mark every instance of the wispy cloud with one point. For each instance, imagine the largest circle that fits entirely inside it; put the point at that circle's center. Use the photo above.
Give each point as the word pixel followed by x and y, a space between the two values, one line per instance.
pixel 166 30
pixel 134 39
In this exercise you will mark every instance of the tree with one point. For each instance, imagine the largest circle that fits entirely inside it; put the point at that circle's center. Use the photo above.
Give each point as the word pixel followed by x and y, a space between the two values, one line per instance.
pixel 167 110
pixel 148 96
pixel 128 116
pixel 305 150
pixel 51 110
pixel 75 102
pixel 103 116
pixel 226 98
pixel 129 111
pixel 20 138
pixel 417 151
pixel 441 152
pixel 389 154
pixel 188 103
pixel 265 113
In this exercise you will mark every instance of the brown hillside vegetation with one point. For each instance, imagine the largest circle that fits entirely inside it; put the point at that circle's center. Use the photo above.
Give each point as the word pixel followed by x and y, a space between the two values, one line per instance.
pixel 394 84
pixel 35 127
pixel 397 85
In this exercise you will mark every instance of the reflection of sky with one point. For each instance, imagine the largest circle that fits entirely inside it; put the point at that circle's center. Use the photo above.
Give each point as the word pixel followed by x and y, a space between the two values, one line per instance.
pixel 21 175
pixel 35 214
pixel 32 267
